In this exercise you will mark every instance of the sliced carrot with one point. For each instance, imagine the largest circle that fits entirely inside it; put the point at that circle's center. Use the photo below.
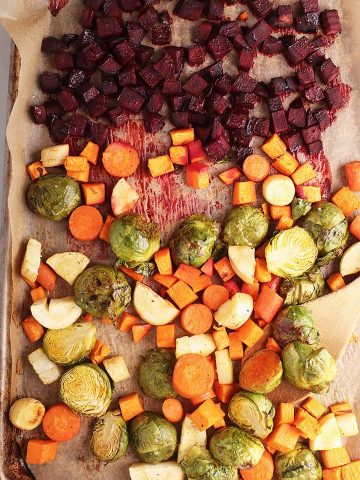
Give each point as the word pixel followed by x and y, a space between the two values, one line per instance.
pixel 268 304
pixel 208 267
pixel 256 168
pixel 352 172
pixel 207 414
pixel 85 223
pixel 214 296
pixel 236 348
pixel 335 281
pixel 262 274
pixel 91 152
pixel 99 352
pixel 120 159
pixel 163 261
pixel 193 375
pixel 201 283
pixel 182 294
pixel 274 283
pixel 127 321
pixel 278 212
pixel 131 406
pixel 165 336
pixel 40 452
pixel 32 329
pixel 201 398
pixel 37 294
pixel 76 164
pixel 138 277
pixel 30 283
pixel 285 413
pixel 347 200
pixel 94 193
pixel 165 280
pixel 187 274
pixel 46 277
pixel 249 333
pixel 251 289
pixel 271 344
pixel 60 423
pixel 36 170
pixel 224 269
pixel 172 410
pixel 264 470
pixel 139 332
pixel 196 318
pixel 104 234
pixel 224 392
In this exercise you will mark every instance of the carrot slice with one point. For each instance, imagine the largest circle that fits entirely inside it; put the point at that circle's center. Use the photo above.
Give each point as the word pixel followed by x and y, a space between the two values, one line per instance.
pixel 32 329
pixel 46 277
pixel 193 375
pixel 173 410
pixel 85 223
pixel 60 423
pixel 196 318
pixel 214 296
pixel 40 451
pixel 120 159
pixel 264 470
pixel 256 168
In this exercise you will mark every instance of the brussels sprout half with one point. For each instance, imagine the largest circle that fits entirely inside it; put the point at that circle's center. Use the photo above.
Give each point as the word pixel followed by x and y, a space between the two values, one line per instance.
pixel 155 439
pixel 299 208
pixel 245 226
pixel 102 290
pixel 109 439
pixel 198 464
pixel 194 240
pixel 155 374
pixel 253 412
pixel 303 289
pixel 299 464
pixel 71 344
pixel 295 323
pixel 54 196
pixel 86 389
pixel 133 239
pixel 308 367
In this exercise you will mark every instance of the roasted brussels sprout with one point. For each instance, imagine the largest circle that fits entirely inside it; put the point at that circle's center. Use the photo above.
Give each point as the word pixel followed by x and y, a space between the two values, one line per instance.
pixel 291 253
pixel 102 290
pixel 295 323
pixel 299 464
pixel 233 447
pixel 155 438
pixel 245 226
pixel 133 239
pixel 328 226
pixel 86 389
pixel 194 240
pixel 109 439
pixel 308 367
pixel 198 464
pixel 299 208
pixel 262 372
pixel 155 374
pixel 253 412
pixel 54 196
pixel 71 344
pixel 303 289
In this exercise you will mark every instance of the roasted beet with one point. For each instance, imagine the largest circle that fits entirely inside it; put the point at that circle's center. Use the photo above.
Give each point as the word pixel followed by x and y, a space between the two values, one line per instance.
pixel 284 17
pixel 150 76
pixel 147 18
pixel 98 106
pixel 161 34
pixel 67 101
pixel 64 60
pixel 298 51
pixel 85 38
pixel 216 103
pixel 88 18
pixel 279 122
pixel 59 130
pixel 38 113
pixel 244 102
pixel 258 33
pixel 219 47
pixel 262 90
pixel 109 86
pixel 272 46
pixel 235 120
pixel 334 98
pixel 246 59
pixel 68 39
pixel 223 84
pixel 112 9
pixel 156 102
pixel 180 119
pixel 310 118
pixel 127 77
pixel 53 110
pixel 165 17
pixel 197 104
pixel 130 5
pixel 89 92
pixel 296 114
pixel 177 103
pixel 124 52
pixel 51 45
pixel 202 133
pixel 239 42
pixel 243 83
pixel 274 104
pixel 260 8
pixel 108 27
pixel 99 133
pixel 310 6
pixel 323 119
pixel 94 4
pixel 288 40
pixel 118 116
pixel 315 147
pixel 330 22
pixel 196 85
pixel 49 82
pixel 278 86
pixel 305 73
pixel 196 55
pixel 311 134
pixel 109 66
pixel 166 67
pixel 171 87
pixel 328 71
pixel 241 137
pixel 89 56
pixel 259 126
pixel 293 141
pixel 320 42
pixel 131 100
pixel 198 119
pixel 229 29
pixel 214 9
pixel 201 33
pixel 217 128
pixel 77 125
pixel 218 148
pixel 314 93
pixel 177 54
pixel 316 58
pixel 143 54
pixel 135 33
pixel 189 9
pixel 212 72
pixel 307 23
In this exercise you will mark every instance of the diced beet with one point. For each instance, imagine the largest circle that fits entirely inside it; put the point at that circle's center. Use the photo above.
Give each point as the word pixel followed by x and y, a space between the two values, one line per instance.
pixel 259 126
pixel 245 102
pixel 311 134
pixel 59 130
pixel 142 90
pixel 89 92
pixel 118 116
pixel 99 133
pixel 64 60
pixel 219 47
pixel 108 27
pixel 315 147
pixel 180 119
pixel 198 119
pixel 241 137
pixel 94 4
pixel 229 29
pixel 235 120
pixel 320 42
pixel 124 52
pixel 49 82
pixel 314 93
pixel 150 76
pixel 299 50
pixel 131 100
pixel 328 71
pixel 305 73
pixel 189 9
pixel 165 17
pixel 109 66
pixel 196 85
pixel 260 8
pixel 201 33
pixel 143 54
pixel 279 122
pixel 85 38
pixel 171 87
pixel 130 5
pixel 240 42
pixel 51 45
pixel 153 122
pixel 278 86
pixel 217 128
pixel 109 86
pixel 161 34
pixel 316 58
pixel 293 141
pixel 53 110
pixel 243 83
pixel 246 59
pixel 291 84
pixel 135 33
pixel 89 56
pixel 296 116
pixel 275 104
pixel 166 67
pixel 127 77
pixel 156 102
pixel 214 9
pixel 177 54
pixel 310 6
pixel 258 33
pixel 272 46
pixel 67 101
pixel 88 17
pixel 202 133
pixel 242 153
pixel 177 103
pixel 307 23
pixel 112 9
pixel 330 22
pixel 216 103
pixel 196 55
pixel 77 78
pixel 284 16
pixel 288 40
pixel 323 119
pixel 218 148
pixel 77 125
pixel 212 72
pixel 197 104
pixel 310 118
pixel 147 18
pixel 76 144
pixel 98 106
pixel 223 84
pixel 334 97
pixel 38 113
pixel 261 90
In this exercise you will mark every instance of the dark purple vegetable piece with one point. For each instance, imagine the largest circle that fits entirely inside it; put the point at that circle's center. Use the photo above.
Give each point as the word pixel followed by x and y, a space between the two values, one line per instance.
pixel 112 9
pixel 272 46
pixel 135 33
pixel 258 33
pixel 223 84
pixel 89 56
pixel 305 73
pixel 68 39
pixel 124 52
pixel 314 93
pixel 59 130
pixel 189 9
pixel 316 58
pixel 131 100
pixel 196 55
pixel 196 85
pixel 261 90
pixel 53 110
pixel 274 104
pixel 38 113
pixel 88 18
pixel 243 83
pixel 298 51
pixel 293 141
pixel 198 119
pixel 278 86
pixel 310 6
pixel 177 103
pixel 161 34
pixel 197 104
pixel 165 17
pixel 89 92
pixel 323 119
pixel 315 147
pixel 127 77
pixel 166 67
pixel 288 40
pixel 311 134
pixel 214 9
pixel 99 133
pixel 109 66
pixel 218 148
pixel 201 33
pixel 229 29
pixel 241 137
pixel 77 125
pixel 217 128
pixel 296 114
pixel 109 86
pixel 291 84
pixel 94 4
pixel 310 118
pixel 147 18
pixel 245 102
pixel 118 116
pixel 334 98
pixel 216 103
pixel 67 101
pixel 64 60
pixel 307 23
pixel 235 120
pixel 246 59
pixel 259 126
pixel 284 17
pixel 212 72
pixel 49 82
pixel 108 27
pixel 330 22
pixel 98 106
pixel 279 122
pixel 130 5
pixel 239 42
pixel 328 71
pixel 180 119
pixel 260 8
pixel 153 122
pixel 219 47
pixel 156 102
pixel 243 152
pixel 320 42
pixel 143 54
pixel 177 54
pixel 202 133
pixel 51 45
pixel 171 87
pixel 150 76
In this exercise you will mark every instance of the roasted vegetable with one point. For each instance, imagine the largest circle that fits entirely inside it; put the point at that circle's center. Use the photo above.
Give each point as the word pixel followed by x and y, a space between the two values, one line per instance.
pixel 26 413
pixel 102 290
pixel 58 313
pixel 262 372
pixel 308 367
pixel 109 439
pixel 47 371
pixel 291 253
pixel 86 389
pixel 295 323
pixel 31 261
pixel 155 374
pixel 54 196
pixel 299 208
pixel 155 439
pixel 253 412
pixel 303 289
pixel 194 240
pixel 299 464
pixel 246 226
pixel 198 464
pixel 151 307
pixel 233 447
pixel 68 265
pixel 133 239
pixel 161 471
pixel 71 344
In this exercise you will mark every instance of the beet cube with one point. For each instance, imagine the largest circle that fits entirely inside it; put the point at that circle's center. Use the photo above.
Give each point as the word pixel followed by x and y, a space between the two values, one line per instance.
pixel 310 118
pixel 242 153
pixel 293 141
pixel 316 58
pixel 67 101
pixel 307 23
pixel 166 67
pixel 320 42
pixel 328 71
pixel 217 128
pixel 310 6
pixel 323 119
pixel 315 148
pixel 213 71
pixel 112 9
pixel 285 16
pixel 150 76
pixel 235 120
pixel 135 33
pixel 201 33
pixel 218 148
pixel 314 93
pixel 177 54
pixel 217 103
pixel 298 51
pixel 99 133
pixel 89 92
pixel 202 133
pixel 124 52
pixel 272 46
pixel 38 113
pixel 130 5
pixel 77 125
pixel 165 17
pixel 147 18
pixel 53 110
pixel 108 27
pixel 334 98
pixel 156 102
pixel 243 83
pixel 68 39
pixel 305 73
pixel 279 122
pixel 109 86
pixel 196 85
pixel 85 38
pixel 171 87
pixel 240 42
pixel 51 45
pixel 59 130
pixel 89 56
pixel 197 104
pixel 219 47
pixel 109 66
pixel 94 4
pixel 261 90
pixel 88 18
pixel 49 82
pixel 258 33
pixel 278 86
pixel 288 40
pixel 143 54
pixel 98 106
pixel 330 22
pixel 177 103
pixel 118 116
pixel 229 29
pixel 245 102
pixel 127 77
pixel 180 119
pixel 161 34
pixel 275 104
pixel 214 9
pixel 291 84
pixel 241 137
pixel 198 119
pixel 189 9
pixel 64 60
pixel 196 55
pixel 153 122
pixel 260 8
pixel 296 116
pixel 131 100
pixel 311 134
pixel 246 59
pixel 223 84
pixel 259 126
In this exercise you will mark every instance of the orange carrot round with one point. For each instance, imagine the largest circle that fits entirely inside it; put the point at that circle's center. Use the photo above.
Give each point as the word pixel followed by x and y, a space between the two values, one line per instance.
pixel 214 296
pixel 256 168
pixel 173 410
pixel 60 423
pixel 193 375
pixel 264 470
pixel 196 318
pixel 120 159
pixel 85 223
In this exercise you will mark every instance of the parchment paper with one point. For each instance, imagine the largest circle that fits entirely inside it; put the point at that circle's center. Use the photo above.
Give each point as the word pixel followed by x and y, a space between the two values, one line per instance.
pixel 165 200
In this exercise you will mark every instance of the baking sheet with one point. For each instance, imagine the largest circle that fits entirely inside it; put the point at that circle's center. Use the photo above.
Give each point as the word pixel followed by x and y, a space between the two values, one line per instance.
pixel 165 200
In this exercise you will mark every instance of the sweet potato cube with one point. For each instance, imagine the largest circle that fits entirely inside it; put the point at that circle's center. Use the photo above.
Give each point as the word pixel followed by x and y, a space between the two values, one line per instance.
pixel 182 294
pixel 285 414
pixel 347 200
pixel 278 212
pixel 99 352
pixel 207 415
pixel 179 155
pixel 201 283
pixel 314 407
pixel 274 147
pixel 221 338
pixel 32 329
pixel 139 332
pixel 332 474
pixel 286 164
pixel 310 193
pixel 250 333
pixel 36 170
pixel 165 336
pixel 165 280
pixel 306 423
pixel 182 136
pixel 244 193
pixel 208 267
pixel 229 176
pixel 82 176
pixel 224 392
pixel 337 457
pixel 335 281
pixel 283 438
pixel 351 471
pixel 94 193
pixel 303 174
pixel 91 152
pixel 160 165
pixel 187 274
pixel 39 452
pixel 163 261
pixel 224 269
pixel 76 164
pixel 197 176
pixel 104 234
pixel 285 223
pixel 37 294
pixel 127 321
pixel 130 406
pixel 236 348
pixel 341 408
pixel 138 277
